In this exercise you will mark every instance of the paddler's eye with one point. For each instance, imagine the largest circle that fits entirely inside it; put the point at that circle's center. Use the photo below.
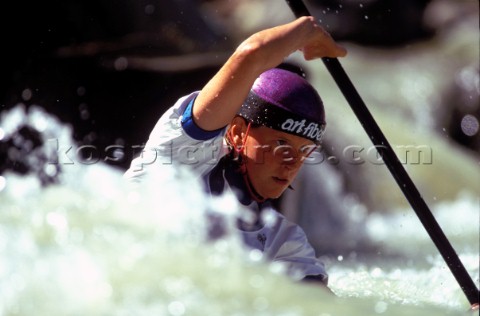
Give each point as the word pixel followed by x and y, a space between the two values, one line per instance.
pixel 281 142
pixel 284 151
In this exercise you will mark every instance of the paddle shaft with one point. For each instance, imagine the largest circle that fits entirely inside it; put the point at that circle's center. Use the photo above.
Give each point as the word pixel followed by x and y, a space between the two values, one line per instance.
pixel 396 168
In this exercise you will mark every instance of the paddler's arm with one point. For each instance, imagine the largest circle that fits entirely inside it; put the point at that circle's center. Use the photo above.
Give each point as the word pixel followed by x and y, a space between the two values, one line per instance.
pixel 222 96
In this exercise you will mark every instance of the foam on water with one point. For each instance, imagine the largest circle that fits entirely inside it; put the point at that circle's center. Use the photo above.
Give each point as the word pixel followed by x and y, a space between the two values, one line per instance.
pixel 88 244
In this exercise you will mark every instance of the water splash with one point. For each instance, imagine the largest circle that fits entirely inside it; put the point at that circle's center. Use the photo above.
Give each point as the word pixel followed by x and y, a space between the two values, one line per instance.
pixel 91 244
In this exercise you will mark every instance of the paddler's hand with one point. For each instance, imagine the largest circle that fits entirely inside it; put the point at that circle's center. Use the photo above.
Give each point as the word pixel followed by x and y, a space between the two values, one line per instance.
pixel 320 43
pixel 475 307
pixel 220 99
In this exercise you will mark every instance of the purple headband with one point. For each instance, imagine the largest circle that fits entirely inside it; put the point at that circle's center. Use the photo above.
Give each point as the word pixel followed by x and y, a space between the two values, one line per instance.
pixel 286 102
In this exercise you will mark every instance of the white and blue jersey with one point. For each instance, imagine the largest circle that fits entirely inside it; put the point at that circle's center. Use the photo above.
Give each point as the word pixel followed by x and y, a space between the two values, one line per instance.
pixel 177 140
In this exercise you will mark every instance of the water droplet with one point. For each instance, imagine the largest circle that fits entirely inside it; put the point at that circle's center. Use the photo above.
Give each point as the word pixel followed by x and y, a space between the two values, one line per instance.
pixel 57 220
pixel 149 9
pixel 469 125
pixel 26 94
pixel 81 91
pixel 255 255
pixel 269 217
pixel 120 64
pixel 50 170
pixel 366 17
pixel 381 307
pixel 340 258
pixel 84 113
pixel 176 308
pixel 376 272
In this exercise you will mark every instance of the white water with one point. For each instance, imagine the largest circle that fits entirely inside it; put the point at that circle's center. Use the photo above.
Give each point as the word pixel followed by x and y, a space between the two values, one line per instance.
pixel 91 246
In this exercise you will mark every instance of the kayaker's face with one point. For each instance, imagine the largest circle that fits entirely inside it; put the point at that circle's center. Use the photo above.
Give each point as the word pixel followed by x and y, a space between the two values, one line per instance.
pixel 272 158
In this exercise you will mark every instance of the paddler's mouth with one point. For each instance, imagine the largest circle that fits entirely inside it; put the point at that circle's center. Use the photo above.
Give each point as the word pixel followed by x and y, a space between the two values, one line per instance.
pixel 280 181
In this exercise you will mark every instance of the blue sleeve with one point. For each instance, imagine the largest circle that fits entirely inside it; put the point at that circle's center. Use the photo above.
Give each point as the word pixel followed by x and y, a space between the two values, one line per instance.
pixel 192 129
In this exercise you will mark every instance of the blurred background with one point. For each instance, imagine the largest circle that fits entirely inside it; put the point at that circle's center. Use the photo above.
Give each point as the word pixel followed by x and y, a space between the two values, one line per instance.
pixel 110 69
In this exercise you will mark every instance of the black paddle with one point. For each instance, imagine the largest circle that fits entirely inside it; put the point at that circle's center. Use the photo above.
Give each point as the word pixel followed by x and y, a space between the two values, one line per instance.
pixel 396 169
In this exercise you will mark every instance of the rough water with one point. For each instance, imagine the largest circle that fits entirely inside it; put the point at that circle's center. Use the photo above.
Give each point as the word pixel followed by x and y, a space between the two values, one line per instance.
pixel 76 240
pixel 85 243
